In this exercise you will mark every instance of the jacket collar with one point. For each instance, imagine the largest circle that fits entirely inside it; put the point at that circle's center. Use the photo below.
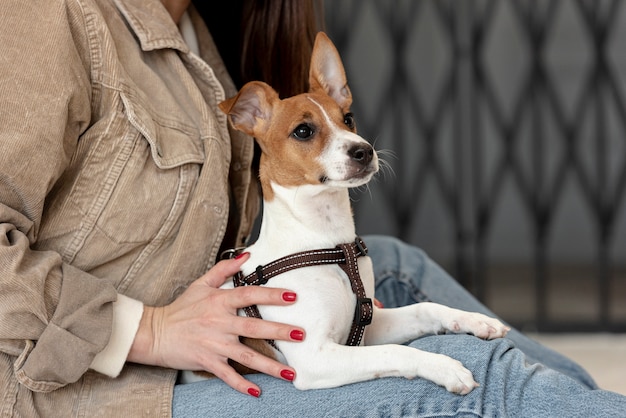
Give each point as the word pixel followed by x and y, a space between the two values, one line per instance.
pixel 152 24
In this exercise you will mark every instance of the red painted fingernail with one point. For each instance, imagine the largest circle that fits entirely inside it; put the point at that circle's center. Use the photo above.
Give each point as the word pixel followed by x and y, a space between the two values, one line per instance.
pixel 297 335
pixel 289 297
pixel 254 392
pixel 238 256
pixel 288 375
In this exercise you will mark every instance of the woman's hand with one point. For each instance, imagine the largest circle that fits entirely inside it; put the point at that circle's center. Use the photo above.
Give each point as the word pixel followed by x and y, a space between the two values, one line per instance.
pixel 200 330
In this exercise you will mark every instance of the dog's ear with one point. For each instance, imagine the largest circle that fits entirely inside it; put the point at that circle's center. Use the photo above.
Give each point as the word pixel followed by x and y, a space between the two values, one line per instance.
pixel 327 72
pixel 251 109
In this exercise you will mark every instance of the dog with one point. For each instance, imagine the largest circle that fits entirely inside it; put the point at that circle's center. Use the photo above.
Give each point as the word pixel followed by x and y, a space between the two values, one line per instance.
pixel 310 156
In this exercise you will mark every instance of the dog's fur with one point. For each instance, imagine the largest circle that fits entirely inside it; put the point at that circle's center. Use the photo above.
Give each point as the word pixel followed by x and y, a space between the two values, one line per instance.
pixel 311 155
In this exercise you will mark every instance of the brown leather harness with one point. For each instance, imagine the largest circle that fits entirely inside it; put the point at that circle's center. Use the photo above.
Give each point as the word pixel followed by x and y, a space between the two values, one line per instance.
pixel 345 255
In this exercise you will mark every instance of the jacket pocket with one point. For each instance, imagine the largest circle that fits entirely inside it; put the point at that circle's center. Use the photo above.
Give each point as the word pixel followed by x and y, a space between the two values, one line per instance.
pixel 131 175
pixel 153 170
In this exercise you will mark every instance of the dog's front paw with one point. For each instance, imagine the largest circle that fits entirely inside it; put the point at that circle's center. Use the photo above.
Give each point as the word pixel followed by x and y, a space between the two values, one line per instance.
pixel 482 326
pixel 452 375
pixel 460 380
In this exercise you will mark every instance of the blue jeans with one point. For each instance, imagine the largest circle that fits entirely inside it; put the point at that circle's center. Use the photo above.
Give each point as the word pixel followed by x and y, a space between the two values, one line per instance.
pixel 517 376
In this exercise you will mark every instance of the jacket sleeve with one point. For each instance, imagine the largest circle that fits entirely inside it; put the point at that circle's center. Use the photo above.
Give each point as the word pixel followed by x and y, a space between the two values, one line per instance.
pixel 54 318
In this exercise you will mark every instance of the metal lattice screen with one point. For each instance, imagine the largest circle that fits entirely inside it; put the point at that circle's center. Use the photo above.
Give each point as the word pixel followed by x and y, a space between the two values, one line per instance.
pixel 507 124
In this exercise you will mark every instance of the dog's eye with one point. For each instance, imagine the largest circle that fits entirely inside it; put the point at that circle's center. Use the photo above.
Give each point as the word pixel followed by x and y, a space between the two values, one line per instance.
pixel 303 132
pixel 348 119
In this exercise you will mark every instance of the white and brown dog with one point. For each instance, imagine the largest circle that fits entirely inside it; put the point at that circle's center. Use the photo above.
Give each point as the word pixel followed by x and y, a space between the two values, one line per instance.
pixel 311 156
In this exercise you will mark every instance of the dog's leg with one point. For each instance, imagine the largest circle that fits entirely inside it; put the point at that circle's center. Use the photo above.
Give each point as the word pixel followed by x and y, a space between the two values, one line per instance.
pixel 399 325
pixel 335 365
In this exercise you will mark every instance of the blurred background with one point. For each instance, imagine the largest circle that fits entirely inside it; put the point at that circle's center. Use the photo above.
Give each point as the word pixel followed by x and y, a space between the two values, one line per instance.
pixel 504 123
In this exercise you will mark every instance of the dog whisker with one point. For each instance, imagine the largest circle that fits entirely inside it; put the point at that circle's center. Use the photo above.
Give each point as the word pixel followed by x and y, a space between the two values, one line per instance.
pixel 369 191
pixel 385 166
pixel 359 190
pixel 387 153
pixel 386 169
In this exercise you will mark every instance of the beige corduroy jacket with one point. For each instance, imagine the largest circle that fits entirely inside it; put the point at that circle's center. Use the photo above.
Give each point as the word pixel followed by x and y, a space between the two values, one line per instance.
pixel 119 183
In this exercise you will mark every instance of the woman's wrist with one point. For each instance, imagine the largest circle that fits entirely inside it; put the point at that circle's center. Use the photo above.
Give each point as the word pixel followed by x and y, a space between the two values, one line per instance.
pixel 142 350
pixel 127 313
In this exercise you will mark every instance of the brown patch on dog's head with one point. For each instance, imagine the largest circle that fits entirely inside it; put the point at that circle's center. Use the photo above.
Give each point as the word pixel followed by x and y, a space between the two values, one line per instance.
pixel 293 133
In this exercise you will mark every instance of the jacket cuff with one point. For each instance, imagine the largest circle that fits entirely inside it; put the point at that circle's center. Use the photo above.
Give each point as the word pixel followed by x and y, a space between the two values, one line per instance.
pixel 79 328
pixel 127 314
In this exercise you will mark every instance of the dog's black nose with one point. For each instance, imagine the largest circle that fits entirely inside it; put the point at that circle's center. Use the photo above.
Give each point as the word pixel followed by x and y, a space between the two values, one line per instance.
pixel 361 153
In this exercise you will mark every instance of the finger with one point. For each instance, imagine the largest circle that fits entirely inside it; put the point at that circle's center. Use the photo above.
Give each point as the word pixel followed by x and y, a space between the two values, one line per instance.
pixel 224 270
pixel 254 360
pixel 236 381
pixel 267 330
pixel 242 297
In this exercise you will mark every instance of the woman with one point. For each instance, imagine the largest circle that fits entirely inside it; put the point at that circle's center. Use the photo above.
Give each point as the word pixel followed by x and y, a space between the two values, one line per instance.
pixel 120 184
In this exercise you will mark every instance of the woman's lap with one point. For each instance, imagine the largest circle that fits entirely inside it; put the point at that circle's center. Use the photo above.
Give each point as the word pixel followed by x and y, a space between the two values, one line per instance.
pixel 509 386
pixel 388 397
pixel 405 275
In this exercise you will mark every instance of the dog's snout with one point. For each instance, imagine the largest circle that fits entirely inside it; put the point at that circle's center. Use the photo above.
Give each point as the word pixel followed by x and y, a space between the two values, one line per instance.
pixel 361 153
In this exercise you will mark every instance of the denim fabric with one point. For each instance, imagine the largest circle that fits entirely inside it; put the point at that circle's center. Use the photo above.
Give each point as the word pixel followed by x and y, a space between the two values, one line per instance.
pixel 510 386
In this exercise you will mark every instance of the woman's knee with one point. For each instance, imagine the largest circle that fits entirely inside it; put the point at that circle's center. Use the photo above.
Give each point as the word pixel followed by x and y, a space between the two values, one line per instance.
pixel 398 270
pixel 393 257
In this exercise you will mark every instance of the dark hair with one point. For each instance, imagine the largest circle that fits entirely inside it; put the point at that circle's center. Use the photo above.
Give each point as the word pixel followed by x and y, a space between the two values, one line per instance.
pixel 267 40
